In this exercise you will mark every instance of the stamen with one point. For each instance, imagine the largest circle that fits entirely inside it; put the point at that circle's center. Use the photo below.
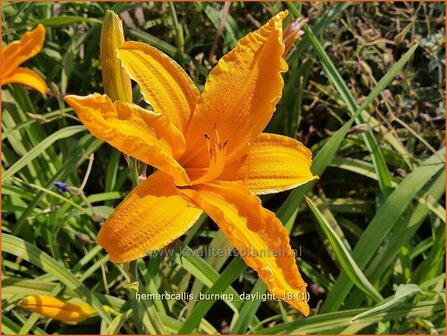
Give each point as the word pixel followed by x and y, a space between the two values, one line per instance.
pixel 217 155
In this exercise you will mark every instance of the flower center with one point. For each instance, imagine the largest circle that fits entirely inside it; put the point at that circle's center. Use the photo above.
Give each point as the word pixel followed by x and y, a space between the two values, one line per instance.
pixel 216 152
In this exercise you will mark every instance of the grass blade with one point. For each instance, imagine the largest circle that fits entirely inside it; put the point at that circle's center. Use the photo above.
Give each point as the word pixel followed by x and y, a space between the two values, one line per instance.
pixel 248 309
pixel 230 274
pixel 32 254
pixel 327 323
pixel 403 291
pixel 343 256
pixel 327 153
pixel 371 142
pixel 40 148
pixel 383 222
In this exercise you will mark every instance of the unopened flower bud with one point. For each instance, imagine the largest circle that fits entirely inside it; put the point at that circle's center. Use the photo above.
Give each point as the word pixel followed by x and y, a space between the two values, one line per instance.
pixel 51 307
pixel 116 81
pixel 292 33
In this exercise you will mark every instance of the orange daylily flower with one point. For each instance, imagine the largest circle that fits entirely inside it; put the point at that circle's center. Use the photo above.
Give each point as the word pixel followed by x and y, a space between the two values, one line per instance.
pixel 210 154
pixel 18 52
pixel 51 307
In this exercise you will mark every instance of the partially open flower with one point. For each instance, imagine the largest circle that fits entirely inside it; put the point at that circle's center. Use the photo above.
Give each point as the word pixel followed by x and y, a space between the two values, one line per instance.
pixel 51 307
pixel 116 81
pixel 292 33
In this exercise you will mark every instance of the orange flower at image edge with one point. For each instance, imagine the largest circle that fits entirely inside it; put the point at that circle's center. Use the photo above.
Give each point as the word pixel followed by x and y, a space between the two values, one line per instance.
pixel 18 52
pixel 210 154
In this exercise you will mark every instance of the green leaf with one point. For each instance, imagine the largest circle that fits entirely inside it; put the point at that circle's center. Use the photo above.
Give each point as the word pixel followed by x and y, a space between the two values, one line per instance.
pixel 115 326
pixel 401 235
pixel 369 138
pixel 67 20
pixel 343 256
pixel 153 41
pixel 249 309
pixel 40 148
pixel 383 223
pixel 431 266
pixel 205 273
pixel 32 254
pixel 323 21
pixel 325 156
pixel 9 327
pixel 215 17
pixel 225 279
pixel 402 292
pixel 330 322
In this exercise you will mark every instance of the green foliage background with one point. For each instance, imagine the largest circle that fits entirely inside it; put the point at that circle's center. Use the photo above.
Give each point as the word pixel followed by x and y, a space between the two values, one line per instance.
pixel 371 232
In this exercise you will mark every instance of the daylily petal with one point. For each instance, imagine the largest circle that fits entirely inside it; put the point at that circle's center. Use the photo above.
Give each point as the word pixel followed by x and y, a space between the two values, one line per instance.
pixel 26 77
pixel 51 307
pixel 18 52
pixel 163 83
pixel 153 215
pixel 257 234
pixel 274 163
pixel 145 135
pixel 240 94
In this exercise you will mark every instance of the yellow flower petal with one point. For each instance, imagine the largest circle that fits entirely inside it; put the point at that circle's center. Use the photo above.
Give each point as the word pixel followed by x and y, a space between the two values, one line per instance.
pixel 163 83
pixel 147 136
pixel 51 307
pixel 257 234
pixel 26 77
pixel 19 51
pixel 240 94
pixel 153 215
pixel 274 163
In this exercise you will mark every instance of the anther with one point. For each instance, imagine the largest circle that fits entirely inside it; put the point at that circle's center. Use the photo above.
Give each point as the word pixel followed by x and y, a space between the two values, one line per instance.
pixel 217 153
